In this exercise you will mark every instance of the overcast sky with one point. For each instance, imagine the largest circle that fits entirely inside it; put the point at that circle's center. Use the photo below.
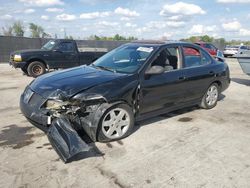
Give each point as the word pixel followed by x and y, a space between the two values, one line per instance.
pixel 148 19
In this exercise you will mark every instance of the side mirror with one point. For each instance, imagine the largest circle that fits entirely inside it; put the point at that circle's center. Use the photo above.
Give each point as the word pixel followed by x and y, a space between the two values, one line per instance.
pixel 154 70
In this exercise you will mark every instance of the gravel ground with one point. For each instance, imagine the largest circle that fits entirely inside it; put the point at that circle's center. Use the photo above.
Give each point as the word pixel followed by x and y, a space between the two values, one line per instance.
pixel 187 148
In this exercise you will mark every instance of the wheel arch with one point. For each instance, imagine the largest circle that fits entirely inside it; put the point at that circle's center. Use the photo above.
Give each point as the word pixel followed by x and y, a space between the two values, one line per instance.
pixel 218 83
pixel 36 59
pixel 101 111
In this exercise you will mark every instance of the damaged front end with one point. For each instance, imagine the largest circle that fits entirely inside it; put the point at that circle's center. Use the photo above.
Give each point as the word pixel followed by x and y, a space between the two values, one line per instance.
pixel 68 115
pixel 61 117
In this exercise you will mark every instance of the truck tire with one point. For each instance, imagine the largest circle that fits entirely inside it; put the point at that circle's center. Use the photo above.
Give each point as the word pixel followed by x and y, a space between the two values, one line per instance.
pixel 36 68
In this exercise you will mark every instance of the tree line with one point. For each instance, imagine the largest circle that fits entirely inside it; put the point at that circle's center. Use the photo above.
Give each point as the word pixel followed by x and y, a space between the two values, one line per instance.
pixel 17 29
pixel 206 38
pixel 115 37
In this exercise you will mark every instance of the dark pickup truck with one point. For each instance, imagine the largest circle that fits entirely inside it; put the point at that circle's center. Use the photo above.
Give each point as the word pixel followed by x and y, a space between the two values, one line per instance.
pixel 59 53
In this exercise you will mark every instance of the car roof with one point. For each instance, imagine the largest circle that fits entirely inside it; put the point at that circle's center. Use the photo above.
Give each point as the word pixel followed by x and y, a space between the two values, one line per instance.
pixel 201 42
pixel 157 42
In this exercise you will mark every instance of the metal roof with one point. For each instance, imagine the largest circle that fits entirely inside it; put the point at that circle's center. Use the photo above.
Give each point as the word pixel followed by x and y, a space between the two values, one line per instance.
pixel 157 42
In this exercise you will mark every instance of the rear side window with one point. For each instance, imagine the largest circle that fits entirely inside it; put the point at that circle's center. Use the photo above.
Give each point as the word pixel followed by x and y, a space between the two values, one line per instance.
pixel 206 59
pixel 192 57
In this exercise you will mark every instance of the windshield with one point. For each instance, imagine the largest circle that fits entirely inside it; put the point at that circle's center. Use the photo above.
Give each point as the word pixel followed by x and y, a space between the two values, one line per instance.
pixel 125 59
pixel 49 45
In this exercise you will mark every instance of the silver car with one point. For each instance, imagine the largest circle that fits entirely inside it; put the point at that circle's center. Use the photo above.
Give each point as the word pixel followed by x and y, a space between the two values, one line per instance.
pixel 243 49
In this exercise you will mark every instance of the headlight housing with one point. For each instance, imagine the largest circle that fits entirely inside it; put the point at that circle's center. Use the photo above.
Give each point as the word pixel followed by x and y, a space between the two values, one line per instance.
pixel 54 104
pixel 17 57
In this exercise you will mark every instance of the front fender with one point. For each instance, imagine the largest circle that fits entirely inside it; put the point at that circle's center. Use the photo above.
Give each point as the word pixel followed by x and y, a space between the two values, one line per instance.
pixel 118 90
pixel 90 123
pixel 36 58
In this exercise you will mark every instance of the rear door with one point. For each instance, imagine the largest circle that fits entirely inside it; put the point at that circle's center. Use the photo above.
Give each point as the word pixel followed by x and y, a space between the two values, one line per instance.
pixel 198 70
pixel 65 55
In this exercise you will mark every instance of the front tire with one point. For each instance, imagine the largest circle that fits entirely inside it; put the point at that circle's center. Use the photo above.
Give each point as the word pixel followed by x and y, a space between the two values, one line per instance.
pixel 116 123
pixel 36 69
pixel 211 96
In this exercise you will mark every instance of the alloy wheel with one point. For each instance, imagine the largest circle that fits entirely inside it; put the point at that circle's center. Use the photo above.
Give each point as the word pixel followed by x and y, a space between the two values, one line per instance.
pixel 116 123
pixel 212 95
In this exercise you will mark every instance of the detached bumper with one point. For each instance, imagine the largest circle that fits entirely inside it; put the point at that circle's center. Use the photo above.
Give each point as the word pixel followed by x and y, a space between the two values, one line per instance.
pixel 17 64
pixel 66 141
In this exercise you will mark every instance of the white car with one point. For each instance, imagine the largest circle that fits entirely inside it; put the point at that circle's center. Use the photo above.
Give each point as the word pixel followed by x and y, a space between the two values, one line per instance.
pixel 242 49
pixel 230 51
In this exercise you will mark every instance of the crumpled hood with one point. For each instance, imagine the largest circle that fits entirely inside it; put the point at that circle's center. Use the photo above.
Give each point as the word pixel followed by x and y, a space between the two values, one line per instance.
pixel 72 81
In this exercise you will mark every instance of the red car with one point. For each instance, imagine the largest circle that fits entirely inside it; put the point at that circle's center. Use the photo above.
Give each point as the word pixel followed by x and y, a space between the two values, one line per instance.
pixel 210 48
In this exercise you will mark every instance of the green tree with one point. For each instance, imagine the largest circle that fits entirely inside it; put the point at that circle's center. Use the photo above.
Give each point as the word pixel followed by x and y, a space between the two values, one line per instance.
pixel 96 37
pixel 18 29
pixel 36 30
pixel 68 37
pixel 45 35
pixel 7 31
pixel 206 38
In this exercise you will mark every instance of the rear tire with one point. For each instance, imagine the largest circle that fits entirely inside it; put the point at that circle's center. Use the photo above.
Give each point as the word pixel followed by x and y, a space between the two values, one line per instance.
pixel 116 123
pixel 211 96
pixel 36 69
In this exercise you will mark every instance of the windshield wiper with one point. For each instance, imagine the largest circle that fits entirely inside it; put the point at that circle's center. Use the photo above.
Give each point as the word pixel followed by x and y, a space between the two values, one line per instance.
pixel 104 68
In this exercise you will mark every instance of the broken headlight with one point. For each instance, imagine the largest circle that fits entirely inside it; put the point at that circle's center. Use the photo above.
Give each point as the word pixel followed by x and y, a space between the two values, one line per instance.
pixel 55 104
pixel 90 98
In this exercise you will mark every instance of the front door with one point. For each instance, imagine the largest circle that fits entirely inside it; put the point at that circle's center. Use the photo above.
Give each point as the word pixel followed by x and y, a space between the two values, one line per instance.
pixel 64 55
pixel 163 90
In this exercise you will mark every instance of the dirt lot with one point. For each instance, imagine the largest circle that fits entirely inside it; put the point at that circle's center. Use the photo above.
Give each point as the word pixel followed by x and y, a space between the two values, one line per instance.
pixel 188 148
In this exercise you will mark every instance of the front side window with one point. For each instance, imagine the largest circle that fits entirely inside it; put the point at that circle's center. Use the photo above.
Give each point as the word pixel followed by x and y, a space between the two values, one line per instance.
pixel 168 58
pixel 125 59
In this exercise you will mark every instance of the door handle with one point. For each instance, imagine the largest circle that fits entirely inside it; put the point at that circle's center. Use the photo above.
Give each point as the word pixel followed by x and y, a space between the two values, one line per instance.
pixel 182 78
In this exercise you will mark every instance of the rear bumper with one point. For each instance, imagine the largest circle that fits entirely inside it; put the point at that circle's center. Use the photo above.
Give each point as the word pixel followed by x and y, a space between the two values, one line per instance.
pixel 17 64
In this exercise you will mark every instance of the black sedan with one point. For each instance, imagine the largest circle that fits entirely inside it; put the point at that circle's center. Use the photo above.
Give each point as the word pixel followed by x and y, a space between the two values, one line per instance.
pixel 133 82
